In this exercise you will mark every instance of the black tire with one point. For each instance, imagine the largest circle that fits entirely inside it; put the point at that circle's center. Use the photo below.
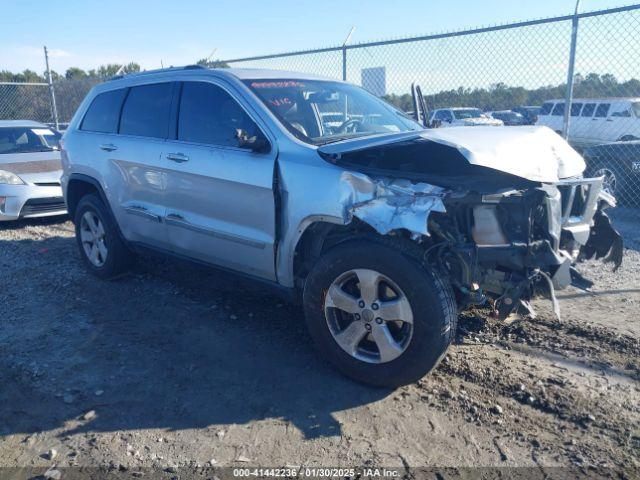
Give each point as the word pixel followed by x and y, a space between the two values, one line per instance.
pixel 622 191
pixel 432 303
pixel 119 257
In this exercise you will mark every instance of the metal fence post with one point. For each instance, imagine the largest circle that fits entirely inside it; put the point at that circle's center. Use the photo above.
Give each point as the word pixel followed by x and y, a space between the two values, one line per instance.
pixel 54 109
pixel 344 63
pixel 572 60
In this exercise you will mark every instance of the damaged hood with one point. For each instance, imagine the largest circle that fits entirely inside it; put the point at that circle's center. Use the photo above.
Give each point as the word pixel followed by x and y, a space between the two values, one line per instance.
pixel 533 153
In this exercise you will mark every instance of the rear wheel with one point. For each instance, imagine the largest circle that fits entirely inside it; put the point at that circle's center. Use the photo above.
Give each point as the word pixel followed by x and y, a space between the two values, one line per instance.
pixel 376 314
pixel 101 247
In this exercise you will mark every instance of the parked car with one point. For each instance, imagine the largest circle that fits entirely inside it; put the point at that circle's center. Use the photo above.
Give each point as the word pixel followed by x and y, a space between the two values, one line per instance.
pixel 619 165
pixel 30 170
pixel 508 117
pixel 383 230
pixel 461 117
pixel 529 112
pixel 594 120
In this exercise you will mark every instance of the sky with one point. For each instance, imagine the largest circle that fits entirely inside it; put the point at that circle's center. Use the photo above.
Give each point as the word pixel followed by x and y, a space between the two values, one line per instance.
pixel 87 33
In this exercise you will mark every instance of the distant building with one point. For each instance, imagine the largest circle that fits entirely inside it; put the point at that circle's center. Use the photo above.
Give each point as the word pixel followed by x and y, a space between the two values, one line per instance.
pixel 374 80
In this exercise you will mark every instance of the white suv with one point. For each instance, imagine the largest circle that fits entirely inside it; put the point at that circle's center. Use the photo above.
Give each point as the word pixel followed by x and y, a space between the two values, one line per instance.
pixel 594 120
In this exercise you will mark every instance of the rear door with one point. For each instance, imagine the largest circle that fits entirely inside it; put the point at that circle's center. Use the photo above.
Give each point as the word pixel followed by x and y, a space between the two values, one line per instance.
pixel 582 124
pixel 601 131
pixel 219 198
pixel 574 125
pixel 138 179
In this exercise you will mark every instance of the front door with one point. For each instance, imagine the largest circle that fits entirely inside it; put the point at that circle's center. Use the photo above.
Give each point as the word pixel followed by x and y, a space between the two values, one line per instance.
pixel 219 196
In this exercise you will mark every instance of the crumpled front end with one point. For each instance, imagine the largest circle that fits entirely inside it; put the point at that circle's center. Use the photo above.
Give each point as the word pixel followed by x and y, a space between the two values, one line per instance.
pixel 501 247
pixel 508 246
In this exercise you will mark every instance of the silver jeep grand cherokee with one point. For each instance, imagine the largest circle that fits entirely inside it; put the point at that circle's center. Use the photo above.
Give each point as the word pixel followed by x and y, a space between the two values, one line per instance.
pixel 382 229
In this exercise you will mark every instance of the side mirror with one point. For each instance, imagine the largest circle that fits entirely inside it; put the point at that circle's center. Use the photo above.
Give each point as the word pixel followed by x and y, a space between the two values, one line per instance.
pixel 256 143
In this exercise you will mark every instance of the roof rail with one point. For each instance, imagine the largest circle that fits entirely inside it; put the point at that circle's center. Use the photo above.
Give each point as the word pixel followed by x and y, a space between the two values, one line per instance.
pixel 158 70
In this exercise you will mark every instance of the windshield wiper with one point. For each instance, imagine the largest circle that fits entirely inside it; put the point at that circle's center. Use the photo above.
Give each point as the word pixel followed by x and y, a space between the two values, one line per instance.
pixel 344 137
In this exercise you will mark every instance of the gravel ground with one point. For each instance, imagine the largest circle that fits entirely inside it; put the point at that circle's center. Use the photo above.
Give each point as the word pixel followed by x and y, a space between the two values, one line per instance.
pixel 179 366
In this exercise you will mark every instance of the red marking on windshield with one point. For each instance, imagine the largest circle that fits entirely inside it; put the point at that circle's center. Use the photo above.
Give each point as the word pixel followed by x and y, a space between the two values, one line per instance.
pixel 277 84
pixel 278 102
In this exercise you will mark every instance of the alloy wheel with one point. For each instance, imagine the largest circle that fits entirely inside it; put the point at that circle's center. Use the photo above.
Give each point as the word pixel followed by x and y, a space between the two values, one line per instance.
pixel 609 181
pixel 92 235
pixel 369 316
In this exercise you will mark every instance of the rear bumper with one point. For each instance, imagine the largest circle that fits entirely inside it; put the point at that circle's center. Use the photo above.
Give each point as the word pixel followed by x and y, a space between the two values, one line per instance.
pixel 29 201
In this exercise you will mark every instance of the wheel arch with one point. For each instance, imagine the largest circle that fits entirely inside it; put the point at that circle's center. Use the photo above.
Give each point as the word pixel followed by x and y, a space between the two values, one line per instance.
pixel 320 235
pixel 316 236
pixel 80 185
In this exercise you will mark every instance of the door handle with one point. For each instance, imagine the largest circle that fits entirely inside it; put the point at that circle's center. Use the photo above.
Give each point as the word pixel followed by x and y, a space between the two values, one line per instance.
pixel 108 147
pixel 175 216
pixel 177 157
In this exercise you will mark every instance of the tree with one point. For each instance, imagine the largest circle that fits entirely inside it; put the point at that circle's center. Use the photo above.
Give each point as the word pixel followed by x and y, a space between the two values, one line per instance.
pixel 75 73
pixel 212 63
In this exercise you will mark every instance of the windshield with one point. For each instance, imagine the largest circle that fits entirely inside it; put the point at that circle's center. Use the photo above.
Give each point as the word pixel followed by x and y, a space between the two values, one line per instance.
pixel 467 113
pixel 28 139
pixel 635 106
pixel 321 112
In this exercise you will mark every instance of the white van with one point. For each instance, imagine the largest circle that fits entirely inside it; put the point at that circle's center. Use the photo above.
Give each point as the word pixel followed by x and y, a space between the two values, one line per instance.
pixel 594 120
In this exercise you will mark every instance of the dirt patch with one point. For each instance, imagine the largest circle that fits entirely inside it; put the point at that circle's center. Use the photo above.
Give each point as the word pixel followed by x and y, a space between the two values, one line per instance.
pixel 177 365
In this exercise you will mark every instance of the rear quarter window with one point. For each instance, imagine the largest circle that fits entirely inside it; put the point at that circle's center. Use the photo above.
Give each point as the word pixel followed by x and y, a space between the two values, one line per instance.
pixel 146 110
pixel 104 111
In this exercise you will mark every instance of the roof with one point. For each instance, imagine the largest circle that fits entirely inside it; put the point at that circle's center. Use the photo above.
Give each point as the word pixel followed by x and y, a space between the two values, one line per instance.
pixel 22 123
pixel 240 73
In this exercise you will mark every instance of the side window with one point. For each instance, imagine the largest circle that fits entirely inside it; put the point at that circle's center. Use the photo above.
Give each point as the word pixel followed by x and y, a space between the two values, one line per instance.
pixel 575 109
pixel 210 115
pixel 546 108
pixel 558 110
pixel 602 110
pixel 104 112
pixel 588 109
pixel 146 110
pixel 622 112
pixel 446 116
pixel 439 115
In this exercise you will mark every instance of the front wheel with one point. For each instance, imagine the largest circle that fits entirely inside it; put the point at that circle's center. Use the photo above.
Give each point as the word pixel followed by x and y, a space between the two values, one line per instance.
pixel 377 314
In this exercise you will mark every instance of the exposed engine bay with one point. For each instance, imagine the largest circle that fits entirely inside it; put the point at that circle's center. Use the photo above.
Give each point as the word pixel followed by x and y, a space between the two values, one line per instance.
pixel 503 214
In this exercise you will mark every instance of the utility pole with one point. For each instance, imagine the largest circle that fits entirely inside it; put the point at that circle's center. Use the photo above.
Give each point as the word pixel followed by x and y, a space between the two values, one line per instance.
pixel 54 109
pixel 572 60
pixel 344 53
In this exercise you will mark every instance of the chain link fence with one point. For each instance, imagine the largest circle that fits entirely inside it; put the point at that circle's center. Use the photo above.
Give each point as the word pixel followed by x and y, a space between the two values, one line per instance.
pixel 25 100
pixel 520 73
pixel 516 73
